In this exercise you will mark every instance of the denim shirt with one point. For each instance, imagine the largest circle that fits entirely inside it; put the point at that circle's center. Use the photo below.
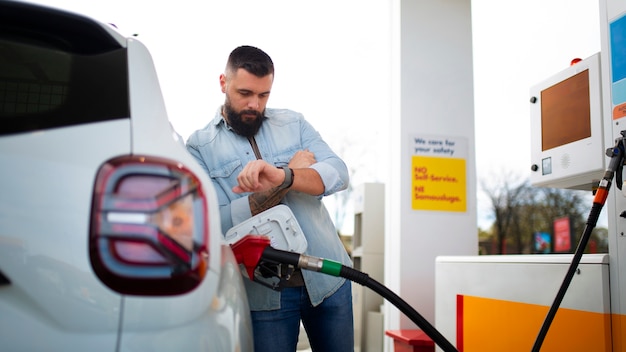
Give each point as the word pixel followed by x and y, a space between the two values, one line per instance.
pixel 223 154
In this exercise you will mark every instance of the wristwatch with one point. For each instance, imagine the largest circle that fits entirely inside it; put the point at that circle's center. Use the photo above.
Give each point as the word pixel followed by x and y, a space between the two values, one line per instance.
pixel 288 182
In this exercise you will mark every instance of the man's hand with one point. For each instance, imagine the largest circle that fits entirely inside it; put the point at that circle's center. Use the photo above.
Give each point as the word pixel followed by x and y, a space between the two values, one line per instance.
pixel 263 180
pixel 302 159
pixel 259 176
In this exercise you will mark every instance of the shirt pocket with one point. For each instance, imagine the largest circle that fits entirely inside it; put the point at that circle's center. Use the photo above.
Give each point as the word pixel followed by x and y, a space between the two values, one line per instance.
pixel 282 159
pixel 283 155
pixel 226 175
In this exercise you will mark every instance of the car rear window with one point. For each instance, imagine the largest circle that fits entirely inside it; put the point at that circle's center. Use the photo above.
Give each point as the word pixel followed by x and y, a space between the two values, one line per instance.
pixel 58 69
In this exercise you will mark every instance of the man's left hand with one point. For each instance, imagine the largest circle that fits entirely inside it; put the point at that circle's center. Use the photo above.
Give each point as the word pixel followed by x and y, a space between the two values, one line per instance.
pixel 258 176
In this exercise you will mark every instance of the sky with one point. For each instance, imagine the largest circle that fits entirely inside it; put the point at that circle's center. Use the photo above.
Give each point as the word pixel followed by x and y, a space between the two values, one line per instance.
pixel 326 54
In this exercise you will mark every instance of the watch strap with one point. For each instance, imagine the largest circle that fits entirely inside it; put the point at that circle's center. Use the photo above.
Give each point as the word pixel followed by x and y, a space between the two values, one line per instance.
pixel 288 182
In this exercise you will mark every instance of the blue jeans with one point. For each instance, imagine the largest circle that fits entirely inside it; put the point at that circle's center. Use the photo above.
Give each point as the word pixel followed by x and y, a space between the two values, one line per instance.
pixel 329 326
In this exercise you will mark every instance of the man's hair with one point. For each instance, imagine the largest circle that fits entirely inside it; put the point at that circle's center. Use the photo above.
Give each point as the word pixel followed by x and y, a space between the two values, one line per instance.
pixel 251 59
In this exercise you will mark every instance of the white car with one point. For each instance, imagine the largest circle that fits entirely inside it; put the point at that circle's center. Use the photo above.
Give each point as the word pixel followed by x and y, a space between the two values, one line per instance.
pixel 110 236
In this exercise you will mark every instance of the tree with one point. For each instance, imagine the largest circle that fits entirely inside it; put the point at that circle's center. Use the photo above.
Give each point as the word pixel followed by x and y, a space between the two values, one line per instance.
pixel 555 203
pixel 599 241
pixel 520 210
pixel 506 201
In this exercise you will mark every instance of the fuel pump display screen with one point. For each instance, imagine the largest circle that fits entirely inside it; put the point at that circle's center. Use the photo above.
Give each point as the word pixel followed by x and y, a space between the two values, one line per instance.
pixel 565 112
pixel 567 142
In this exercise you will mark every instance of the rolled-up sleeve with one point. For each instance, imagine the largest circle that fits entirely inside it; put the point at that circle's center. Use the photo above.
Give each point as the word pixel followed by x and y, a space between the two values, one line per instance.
pixel 334 177
pixel 329 166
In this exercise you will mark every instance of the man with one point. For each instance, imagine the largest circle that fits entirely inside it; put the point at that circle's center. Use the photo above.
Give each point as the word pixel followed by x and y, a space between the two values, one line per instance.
pixel 258 157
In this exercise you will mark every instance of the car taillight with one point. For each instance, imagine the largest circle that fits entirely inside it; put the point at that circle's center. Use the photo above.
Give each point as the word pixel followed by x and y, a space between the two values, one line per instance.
pixel 149 227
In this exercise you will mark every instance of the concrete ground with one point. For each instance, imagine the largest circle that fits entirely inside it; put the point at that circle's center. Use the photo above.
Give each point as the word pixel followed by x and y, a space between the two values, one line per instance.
pixel 303 341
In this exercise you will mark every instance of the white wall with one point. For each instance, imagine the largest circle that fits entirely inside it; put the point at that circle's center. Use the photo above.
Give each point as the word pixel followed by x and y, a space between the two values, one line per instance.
pixel 432 96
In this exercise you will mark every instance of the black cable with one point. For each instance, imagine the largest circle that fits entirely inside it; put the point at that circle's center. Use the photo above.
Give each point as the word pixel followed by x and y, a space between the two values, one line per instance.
pixel 615 166
pixel 591 223
pixel 337 269
pixel 365 280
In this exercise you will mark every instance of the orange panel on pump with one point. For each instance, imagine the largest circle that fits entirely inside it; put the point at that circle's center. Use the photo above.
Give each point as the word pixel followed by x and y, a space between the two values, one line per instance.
pixel 619 111
pixel 488 325
pixel 619 333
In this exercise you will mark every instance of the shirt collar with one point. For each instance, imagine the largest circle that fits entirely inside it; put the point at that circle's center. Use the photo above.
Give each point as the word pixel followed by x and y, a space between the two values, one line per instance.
pixel 219 119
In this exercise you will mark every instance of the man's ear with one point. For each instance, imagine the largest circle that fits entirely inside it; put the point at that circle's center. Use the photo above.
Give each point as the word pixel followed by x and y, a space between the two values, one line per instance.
pixel 223 82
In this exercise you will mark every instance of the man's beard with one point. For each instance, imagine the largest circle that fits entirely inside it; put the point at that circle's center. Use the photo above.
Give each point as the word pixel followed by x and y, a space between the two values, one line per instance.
pixel 246 128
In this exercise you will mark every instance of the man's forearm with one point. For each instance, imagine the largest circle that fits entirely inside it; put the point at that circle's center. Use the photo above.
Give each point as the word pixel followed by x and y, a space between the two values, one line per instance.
pixel 305 180
pixel 308 181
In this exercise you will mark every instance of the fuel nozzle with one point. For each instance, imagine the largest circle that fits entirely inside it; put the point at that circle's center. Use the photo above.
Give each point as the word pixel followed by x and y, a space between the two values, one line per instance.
pixel 264 264
pixel 249 250
pixel 260 259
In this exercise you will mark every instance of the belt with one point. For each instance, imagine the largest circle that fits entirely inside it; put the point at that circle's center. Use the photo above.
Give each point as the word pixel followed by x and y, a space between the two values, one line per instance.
pixel 293 280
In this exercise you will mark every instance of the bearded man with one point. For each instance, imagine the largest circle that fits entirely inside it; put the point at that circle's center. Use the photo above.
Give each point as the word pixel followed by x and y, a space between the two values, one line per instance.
pixel 257 158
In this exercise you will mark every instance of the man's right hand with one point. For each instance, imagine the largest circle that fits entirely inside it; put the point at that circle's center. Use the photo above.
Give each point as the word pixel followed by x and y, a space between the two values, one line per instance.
pixel 302 159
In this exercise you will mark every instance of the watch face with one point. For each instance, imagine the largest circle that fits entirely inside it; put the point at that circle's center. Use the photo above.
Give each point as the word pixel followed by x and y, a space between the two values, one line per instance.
pixel 546 166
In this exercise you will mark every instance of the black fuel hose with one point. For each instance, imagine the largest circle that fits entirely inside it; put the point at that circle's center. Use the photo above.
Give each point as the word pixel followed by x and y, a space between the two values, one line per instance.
pixel 615 166
pixel 330 267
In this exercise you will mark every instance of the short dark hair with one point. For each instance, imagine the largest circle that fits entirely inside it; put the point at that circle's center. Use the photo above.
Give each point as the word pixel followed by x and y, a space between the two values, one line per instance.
pixel 251 59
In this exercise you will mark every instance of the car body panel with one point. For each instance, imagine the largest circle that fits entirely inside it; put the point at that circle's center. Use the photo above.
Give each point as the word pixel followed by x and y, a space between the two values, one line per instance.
pixel 46 189
pixel 46 185
pixel 226 318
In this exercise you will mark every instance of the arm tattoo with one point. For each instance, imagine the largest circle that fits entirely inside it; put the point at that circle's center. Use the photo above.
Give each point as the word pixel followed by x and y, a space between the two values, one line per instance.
pixel 261 201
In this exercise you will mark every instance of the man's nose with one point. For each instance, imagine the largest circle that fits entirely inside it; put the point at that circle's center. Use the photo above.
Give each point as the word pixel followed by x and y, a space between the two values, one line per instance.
pixel 254 103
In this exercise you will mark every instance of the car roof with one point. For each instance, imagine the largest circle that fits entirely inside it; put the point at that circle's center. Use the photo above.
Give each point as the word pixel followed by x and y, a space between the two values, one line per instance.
pixel 57 28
